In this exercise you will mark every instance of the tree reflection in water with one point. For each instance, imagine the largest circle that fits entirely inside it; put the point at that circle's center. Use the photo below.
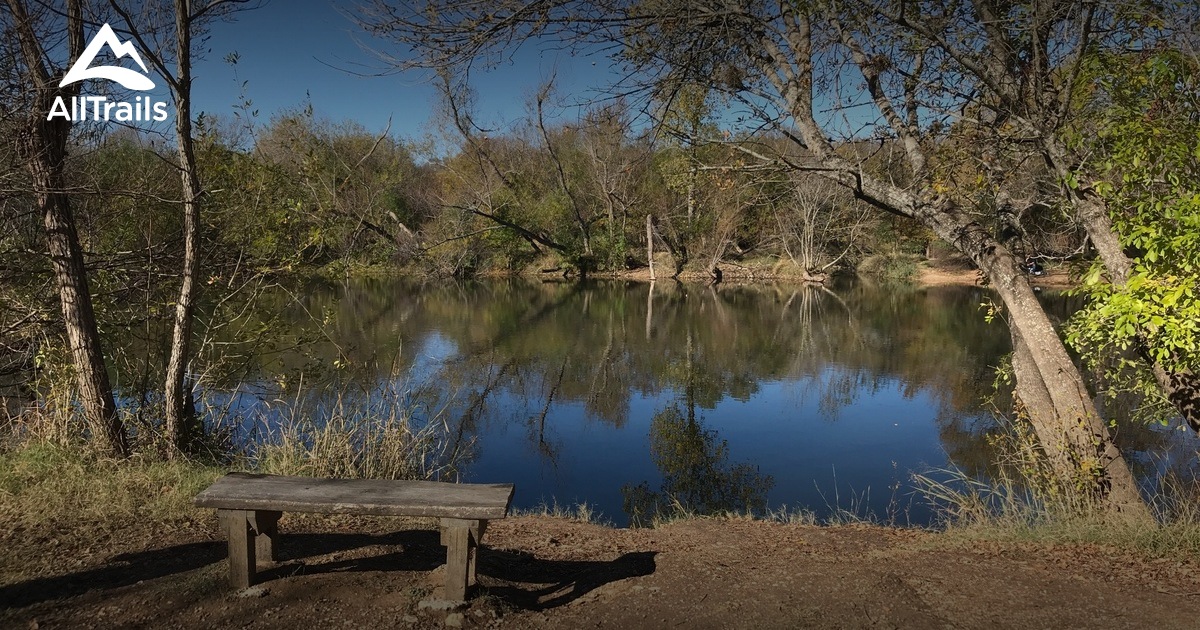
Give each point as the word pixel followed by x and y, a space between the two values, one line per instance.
pixel 697 475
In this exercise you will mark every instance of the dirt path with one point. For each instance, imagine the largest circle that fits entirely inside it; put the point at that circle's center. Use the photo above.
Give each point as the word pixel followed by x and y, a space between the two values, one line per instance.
pixel 546 573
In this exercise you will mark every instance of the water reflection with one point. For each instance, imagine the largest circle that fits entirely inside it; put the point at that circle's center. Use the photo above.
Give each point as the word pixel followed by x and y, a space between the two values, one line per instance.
pixel 633 397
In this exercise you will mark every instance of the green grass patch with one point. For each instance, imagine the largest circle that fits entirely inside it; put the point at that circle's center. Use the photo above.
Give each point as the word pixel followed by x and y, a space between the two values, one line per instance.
pixel 47 484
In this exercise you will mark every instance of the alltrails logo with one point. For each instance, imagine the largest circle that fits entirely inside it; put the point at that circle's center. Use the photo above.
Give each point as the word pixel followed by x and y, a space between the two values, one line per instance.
pixel 143 109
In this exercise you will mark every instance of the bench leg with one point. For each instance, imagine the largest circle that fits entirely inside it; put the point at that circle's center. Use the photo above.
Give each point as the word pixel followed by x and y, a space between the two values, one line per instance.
pixel 238 528
pixel 461 538
pixel 266 528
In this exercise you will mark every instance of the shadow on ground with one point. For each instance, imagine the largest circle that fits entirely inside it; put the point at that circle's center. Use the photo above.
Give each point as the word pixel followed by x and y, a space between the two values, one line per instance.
pixel 517 577
pixel 556 582
pixel 121 570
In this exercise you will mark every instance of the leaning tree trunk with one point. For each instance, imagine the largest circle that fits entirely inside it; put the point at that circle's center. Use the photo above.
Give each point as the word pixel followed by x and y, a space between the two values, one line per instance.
pixel 1182 388
pixel 43 145
pixel 176 396
pixel 1049 383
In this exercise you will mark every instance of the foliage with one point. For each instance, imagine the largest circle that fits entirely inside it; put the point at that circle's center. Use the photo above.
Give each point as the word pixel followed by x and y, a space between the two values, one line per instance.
pixel 1148 134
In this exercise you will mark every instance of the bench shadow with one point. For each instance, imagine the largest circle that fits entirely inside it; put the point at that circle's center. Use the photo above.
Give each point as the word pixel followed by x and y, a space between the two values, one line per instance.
pixel 556 582
pixel 529 583
pixel 421 553
pixel 299 554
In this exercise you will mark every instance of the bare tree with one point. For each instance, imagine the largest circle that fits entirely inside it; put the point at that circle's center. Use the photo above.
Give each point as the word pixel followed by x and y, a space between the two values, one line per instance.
pixel 818 229
pixel 43 145
pixel 186 18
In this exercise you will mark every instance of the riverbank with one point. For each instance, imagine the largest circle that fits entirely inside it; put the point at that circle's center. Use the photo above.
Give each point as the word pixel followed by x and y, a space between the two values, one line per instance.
pixel 946 271
pixel 106 545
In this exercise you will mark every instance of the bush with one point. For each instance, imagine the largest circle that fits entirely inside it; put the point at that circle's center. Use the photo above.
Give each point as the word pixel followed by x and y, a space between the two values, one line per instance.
pixel 891 267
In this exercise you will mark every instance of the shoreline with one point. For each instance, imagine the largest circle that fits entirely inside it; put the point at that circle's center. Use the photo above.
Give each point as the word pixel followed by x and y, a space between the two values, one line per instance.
pixel 934 273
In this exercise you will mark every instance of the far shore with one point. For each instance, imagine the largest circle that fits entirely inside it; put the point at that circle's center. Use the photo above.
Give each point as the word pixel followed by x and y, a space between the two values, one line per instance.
pixel 929 274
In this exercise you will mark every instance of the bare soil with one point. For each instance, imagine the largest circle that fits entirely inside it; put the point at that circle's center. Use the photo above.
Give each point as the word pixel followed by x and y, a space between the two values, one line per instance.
pixel 957 271
pixel 541 572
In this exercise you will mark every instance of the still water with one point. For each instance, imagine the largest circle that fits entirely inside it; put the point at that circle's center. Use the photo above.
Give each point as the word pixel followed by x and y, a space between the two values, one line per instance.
pixel 636 398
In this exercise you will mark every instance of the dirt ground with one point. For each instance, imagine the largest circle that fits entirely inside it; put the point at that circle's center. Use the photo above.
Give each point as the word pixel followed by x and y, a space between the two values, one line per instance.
pixel 955 271
pixel 540 572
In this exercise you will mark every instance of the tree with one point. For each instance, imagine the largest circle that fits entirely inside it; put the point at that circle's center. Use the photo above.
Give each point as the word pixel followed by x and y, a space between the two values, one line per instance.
pixel 43 145
pixel 352 189
pixel 178 406
pixel 817 230
pixel 1031 67
pixel 773 62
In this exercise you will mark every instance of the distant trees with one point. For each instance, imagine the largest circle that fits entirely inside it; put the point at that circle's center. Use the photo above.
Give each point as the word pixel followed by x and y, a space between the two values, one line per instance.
pixel 355 196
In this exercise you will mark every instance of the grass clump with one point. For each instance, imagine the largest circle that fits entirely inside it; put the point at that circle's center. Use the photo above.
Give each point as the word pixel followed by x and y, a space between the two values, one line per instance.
pixel 891 267
pixel 579 513
pixel 1024 501
pixel 369 435
pixel 45 483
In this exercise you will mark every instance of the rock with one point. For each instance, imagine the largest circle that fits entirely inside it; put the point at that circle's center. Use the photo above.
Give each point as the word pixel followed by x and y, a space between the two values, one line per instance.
pixel 409 619
pixel 454 620
pixel 440 604
pixel 253 592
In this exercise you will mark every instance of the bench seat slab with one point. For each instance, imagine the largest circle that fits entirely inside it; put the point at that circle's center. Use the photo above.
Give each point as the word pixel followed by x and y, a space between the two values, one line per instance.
pixel 370 497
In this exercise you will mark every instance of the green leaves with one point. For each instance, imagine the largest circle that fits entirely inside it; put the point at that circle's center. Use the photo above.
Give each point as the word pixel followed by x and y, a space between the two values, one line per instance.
pixel 1149 137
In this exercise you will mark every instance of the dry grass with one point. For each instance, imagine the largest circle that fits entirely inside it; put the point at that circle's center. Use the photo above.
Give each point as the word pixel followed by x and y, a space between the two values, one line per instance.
pixel 1025 502
pixel 579 513
pixel 376 435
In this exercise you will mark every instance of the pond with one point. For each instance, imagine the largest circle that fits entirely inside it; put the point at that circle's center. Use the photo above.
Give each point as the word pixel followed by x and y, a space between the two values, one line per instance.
pixel 637 398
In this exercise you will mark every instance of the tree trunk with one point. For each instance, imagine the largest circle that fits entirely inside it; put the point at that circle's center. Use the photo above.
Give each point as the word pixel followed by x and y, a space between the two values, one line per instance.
pixel 1182 389
pixel 1049 384
pixel 650 245
pixel 176 394
pixel 44 147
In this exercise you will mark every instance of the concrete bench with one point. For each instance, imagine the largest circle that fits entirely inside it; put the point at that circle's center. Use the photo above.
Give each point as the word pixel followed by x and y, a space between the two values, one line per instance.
pixel 249 506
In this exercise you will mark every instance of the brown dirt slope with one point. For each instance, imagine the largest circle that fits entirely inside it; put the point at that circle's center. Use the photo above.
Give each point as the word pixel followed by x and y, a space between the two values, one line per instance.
pixel 539 572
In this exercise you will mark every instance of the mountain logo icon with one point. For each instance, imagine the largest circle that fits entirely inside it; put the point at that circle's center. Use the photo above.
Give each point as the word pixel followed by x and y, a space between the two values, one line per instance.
pixel 126 77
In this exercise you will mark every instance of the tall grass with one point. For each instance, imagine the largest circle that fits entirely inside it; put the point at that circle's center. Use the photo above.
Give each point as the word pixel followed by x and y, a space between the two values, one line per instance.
pixel 51 472
pixel 1024 500
pixel 381 433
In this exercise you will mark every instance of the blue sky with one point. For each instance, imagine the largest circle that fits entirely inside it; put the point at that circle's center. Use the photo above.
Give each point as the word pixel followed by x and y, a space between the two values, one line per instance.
pixel 293 50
